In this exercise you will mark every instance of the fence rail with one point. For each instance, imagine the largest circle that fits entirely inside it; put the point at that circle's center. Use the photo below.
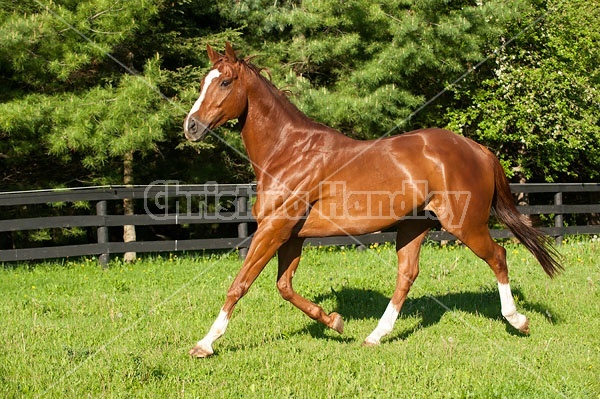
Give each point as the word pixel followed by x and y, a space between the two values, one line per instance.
pixel 160 199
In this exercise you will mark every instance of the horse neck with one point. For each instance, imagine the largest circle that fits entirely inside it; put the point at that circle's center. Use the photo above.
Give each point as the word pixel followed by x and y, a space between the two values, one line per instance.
pixel 267 123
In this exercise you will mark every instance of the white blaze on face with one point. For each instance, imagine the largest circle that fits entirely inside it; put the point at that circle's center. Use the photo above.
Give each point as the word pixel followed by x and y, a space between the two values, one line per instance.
pixel 212 75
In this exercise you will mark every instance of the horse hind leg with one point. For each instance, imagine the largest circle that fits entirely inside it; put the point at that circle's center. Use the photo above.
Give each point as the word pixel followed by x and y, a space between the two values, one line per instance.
pixel 465 214
pixel 481 243
pixel 411 233
pixel 497 263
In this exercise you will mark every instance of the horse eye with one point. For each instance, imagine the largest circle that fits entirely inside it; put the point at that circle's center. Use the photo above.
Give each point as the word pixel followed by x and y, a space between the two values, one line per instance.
pixel 225 83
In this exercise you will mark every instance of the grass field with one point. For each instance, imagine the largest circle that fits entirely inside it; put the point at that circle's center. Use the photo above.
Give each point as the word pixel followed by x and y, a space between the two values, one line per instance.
pixel 73 330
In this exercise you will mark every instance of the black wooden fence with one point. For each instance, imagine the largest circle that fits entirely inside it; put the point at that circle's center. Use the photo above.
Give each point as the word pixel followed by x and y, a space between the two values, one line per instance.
pixel 210 204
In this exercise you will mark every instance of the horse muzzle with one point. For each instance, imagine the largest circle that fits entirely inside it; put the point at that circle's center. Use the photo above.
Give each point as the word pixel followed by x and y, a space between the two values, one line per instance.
pixel 194 129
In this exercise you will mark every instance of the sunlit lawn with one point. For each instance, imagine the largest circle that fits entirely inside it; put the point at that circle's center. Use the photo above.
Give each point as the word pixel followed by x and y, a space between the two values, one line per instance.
pixel 71 329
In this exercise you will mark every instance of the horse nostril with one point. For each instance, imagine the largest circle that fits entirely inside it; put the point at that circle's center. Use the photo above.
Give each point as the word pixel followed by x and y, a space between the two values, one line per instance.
pixel 192 126
pixel 194 129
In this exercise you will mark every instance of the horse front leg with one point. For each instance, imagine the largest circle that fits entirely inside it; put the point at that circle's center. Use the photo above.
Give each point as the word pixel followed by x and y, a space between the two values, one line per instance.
pixel 288 259
pixel 265 243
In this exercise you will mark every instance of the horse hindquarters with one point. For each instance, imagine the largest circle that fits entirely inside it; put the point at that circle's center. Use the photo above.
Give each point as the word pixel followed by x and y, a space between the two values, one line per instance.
pixel 474 232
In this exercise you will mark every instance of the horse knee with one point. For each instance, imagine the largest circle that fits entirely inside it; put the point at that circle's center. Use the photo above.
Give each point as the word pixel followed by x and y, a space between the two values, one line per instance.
pixel 407 274
pixel 236 292
pixel 285 290
pixel 411 274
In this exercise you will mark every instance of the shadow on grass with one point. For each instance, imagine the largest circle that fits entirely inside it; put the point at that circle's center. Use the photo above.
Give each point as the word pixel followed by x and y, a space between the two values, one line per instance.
pixel 361 304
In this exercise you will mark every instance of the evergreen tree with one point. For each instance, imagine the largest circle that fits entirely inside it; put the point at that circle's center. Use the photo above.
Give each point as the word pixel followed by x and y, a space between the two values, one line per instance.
pixel 358 66
pixel 364 67
pixel 89 83
pixel 93 90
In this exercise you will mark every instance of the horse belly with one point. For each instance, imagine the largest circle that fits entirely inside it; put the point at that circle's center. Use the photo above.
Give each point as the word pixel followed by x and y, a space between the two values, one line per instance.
pixel 356 213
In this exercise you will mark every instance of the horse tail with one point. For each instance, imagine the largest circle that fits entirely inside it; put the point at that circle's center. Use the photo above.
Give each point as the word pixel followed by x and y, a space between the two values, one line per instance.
pixel 534 240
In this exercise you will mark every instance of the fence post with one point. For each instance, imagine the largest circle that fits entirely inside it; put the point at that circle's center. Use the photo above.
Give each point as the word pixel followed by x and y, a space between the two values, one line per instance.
pixel 242 210
pixel 558 218
pixel 102 233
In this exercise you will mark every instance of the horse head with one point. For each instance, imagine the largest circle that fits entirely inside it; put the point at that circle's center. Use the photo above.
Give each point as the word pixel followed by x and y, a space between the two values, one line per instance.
pixel 222 95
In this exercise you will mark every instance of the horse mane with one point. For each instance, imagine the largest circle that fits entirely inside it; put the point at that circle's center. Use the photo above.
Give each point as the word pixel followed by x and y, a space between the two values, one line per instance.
pixel 268 79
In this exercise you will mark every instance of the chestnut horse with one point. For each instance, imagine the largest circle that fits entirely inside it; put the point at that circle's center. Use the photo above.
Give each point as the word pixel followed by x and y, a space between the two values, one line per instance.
pixel 315 182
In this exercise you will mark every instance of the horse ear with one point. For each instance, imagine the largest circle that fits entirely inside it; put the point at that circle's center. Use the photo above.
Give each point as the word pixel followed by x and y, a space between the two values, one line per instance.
pixel 213 56
pixel 230 53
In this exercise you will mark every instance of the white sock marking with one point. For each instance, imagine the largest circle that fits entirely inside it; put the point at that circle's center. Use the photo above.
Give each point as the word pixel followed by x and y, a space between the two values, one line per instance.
pixel 212 75
pixel 385 325
pixel 216 331
pixel 509 309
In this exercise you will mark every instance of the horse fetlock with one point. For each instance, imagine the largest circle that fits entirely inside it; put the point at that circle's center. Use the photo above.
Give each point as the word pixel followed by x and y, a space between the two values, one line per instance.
pixel 375 337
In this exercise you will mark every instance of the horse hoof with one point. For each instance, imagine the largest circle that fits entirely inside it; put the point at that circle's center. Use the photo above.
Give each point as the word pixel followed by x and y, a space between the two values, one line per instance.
pixel 200 351
pixel 369 343
pixel 337 323
pixel 524 329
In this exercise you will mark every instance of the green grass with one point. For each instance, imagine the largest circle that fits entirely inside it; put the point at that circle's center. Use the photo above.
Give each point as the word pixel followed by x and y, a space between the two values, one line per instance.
pixel 73 330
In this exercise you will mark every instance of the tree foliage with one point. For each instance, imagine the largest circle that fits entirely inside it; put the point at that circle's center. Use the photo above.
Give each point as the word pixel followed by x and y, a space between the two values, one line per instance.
pixel 363 67
pixel 539 110
pixel 86 82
